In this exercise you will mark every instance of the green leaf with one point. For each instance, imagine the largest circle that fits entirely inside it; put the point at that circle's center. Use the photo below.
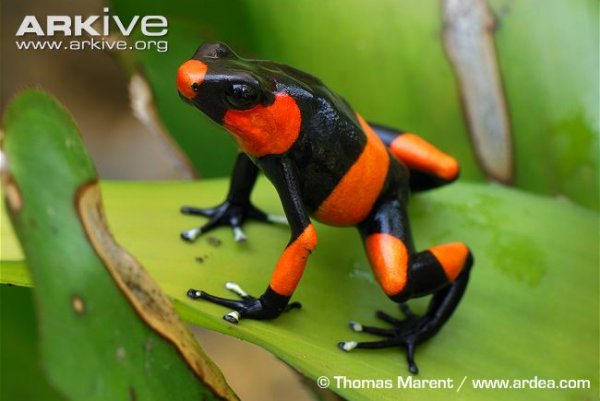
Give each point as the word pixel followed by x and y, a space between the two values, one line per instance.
pixel 531 308
pixel 106 330
pixel 22 377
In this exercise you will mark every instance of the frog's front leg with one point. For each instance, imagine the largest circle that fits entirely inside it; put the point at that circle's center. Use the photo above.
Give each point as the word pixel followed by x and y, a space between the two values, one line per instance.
pixel 236 208
pixel 441 270
pixel 292 262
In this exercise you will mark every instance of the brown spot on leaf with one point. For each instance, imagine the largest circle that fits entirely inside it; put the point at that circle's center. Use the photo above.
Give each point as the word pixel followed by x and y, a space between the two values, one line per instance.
pixel 213 241
pixel 132 394
pixel 78 304
pixel 201 259
pixel 121 353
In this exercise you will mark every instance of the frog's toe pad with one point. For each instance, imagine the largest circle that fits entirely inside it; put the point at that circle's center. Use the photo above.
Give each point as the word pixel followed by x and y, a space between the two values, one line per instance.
pixel 347 345
pixel 236 289
pixel 355 326
pixel 190 235
pixel 239 235
pixel 194 294
pixel 277 219
pixel 232 317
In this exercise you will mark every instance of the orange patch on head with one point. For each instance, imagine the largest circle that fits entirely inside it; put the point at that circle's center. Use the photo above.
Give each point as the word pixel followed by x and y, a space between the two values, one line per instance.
pixel 291 264
pixel 265 130
pixel 452 257
pixel 189 73
pixel 353 197
pixel 389 260
pixel 418 154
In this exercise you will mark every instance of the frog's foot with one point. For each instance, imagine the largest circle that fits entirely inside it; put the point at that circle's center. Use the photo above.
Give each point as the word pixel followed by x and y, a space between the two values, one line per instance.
pixel 227 214
pixel 405 333
pixel 247 307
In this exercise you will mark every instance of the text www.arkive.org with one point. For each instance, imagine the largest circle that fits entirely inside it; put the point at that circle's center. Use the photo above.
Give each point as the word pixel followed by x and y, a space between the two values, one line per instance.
pixel 160 46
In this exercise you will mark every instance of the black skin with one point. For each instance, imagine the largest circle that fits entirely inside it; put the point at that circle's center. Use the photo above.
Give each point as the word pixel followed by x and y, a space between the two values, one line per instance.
pixel 330 141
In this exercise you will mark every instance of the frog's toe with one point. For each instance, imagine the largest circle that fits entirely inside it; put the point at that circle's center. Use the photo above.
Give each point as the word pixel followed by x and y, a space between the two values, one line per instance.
pixel 196 211
pixel 193 233
pixel 406 311
pixel 406 333
pixel 393 341
pixel 277 219
pixel 358 327
pixel 238 234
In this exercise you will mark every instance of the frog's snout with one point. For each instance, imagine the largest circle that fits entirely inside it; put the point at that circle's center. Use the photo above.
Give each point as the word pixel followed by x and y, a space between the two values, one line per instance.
pixel 190 76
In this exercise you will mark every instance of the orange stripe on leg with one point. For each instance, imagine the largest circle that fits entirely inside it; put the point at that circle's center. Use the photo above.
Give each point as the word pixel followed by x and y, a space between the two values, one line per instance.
pixel 418 154
pixel 389 260
pixel 452 257
pixel 291 264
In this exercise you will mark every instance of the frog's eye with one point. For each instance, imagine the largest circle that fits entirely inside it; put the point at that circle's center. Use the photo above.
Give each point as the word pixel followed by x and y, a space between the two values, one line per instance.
pixel 241 96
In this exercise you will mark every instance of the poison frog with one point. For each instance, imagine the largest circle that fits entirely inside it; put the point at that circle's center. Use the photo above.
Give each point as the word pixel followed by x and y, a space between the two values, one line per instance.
pixel 326 162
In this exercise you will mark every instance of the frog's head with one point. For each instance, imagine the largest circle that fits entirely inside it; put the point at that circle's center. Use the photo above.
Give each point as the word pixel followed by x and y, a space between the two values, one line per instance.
pixel 216 80
pixel 242 96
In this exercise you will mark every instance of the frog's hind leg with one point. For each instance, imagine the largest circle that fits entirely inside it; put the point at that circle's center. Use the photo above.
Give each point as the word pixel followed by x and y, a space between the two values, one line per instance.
pixel 442 271
pixel 429 167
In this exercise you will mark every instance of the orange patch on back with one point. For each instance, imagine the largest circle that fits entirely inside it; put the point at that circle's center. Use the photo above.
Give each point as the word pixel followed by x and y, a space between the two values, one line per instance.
pixel 418 154
pixel 389 260
pixel 452 257
pixel 353 197
pixel 291 264
pixel 264 130
pixel 189 73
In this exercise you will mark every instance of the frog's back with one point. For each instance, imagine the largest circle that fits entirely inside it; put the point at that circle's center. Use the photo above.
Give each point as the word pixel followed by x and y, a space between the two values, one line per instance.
pixel 343 164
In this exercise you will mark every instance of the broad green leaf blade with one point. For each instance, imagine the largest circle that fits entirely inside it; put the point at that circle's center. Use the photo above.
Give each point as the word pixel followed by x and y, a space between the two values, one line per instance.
pixel 531 308
pixel 106 329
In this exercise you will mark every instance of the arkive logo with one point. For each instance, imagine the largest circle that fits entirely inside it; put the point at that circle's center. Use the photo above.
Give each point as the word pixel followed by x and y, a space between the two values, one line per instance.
pixel 150 25
pixel 95 32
